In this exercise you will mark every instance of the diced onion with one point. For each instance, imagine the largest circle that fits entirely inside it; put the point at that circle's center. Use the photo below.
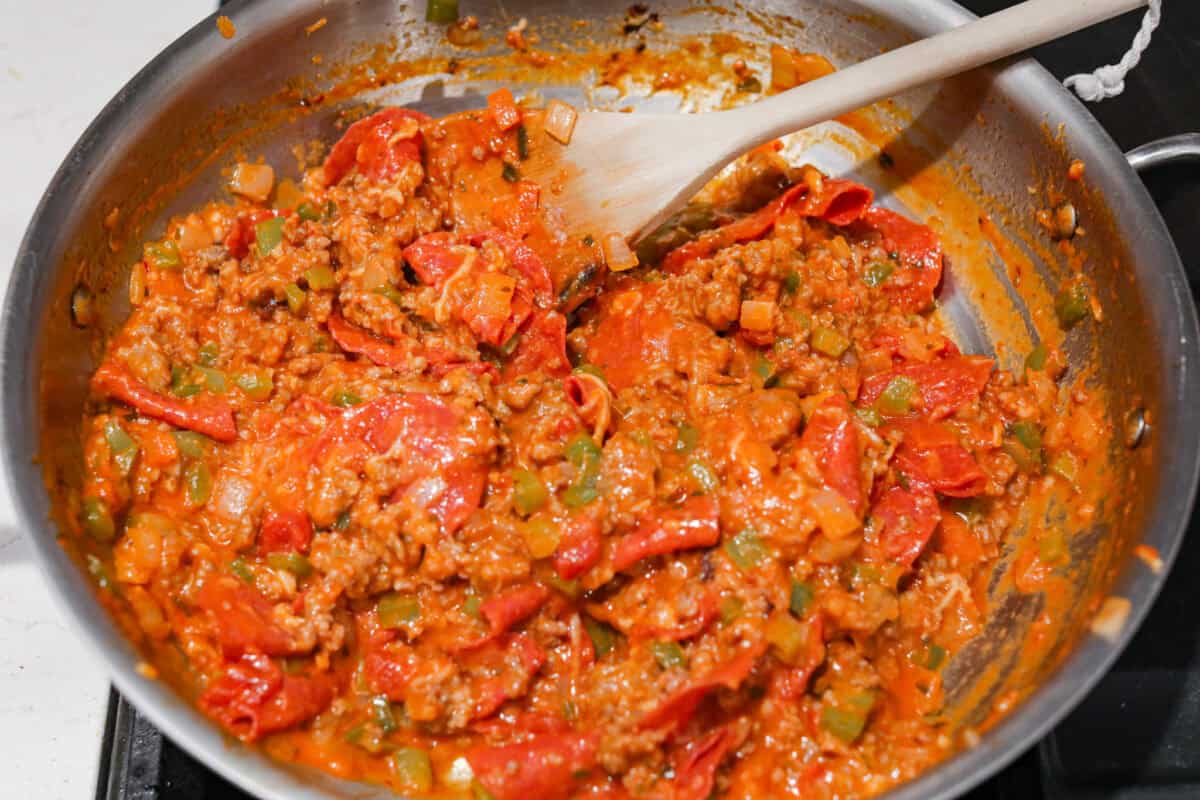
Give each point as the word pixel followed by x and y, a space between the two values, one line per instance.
pixel 560 120
pixel 193 233
pixel 137 284
pixel 833 514
pixel 617 253
pixel 1111 617
pixel 288 195
pixel 83 309
pixel 252 181
pixel 460 774
pixel 790 69
pixel 1066 221
pixel 757 315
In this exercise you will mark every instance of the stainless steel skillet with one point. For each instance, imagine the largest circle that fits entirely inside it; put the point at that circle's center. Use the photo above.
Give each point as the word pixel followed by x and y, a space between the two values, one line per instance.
pixel 1002 124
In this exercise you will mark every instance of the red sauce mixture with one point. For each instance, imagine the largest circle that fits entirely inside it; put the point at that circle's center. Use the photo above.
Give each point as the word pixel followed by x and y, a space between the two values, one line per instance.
pixel 403 483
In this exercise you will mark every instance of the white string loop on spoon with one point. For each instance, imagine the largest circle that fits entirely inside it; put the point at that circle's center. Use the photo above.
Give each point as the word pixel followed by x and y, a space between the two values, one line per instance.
pixel 1109 80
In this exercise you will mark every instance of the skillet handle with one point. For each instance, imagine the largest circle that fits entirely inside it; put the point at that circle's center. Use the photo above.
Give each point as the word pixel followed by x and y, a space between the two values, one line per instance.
pixel 1170 150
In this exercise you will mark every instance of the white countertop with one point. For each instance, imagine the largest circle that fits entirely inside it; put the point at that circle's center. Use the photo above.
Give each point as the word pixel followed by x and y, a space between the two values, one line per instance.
pixel 60 62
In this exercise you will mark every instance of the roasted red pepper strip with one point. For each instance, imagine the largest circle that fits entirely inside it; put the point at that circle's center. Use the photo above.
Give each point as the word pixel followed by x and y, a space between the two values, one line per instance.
pixel 463 479
pixel 211 416
pixel 389 668
pixel 372 146
pixel 840 202
pixel 253 698
pixel 545 767
pixel 542 346
pixel 696 765
pixel 524 260
pixel 955 539
pixel 677 709
pixel 433 258
pixel 285 532
pixel 465 485
pixel 426 422
pixel 508 608
pixel 918 248
pixel 693 524
pixel 945 385
pixel 579 548
pixel 932 452
pixel 906 519
pixel 495 691
pixel 833 440
pixel 243 619
pixel 496 309
pixel 355 340
pixel 434 451
pixel 389 665
pixel 916 244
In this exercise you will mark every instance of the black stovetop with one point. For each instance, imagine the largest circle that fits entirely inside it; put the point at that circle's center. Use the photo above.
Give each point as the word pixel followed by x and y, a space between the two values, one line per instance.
pixel 1137 736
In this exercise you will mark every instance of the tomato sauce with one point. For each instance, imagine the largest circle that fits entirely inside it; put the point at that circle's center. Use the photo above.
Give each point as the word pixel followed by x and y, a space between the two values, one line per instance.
pixel 422 495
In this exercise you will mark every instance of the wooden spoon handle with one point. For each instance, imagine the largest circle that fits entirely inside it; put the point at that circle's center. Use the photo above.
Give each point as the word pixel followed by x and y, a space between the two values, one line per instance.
pixel 955 51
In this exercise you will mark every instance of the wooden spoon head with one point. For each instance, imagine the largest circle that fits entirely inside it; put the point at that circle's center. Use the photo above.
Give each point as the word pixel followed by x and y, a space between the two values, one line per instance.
pixel 626 173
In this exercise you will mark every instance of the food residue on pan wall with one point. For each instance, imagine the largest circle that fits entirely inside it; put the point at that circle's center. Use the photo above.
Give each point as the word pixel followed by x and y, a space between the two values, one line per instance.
pixel 226 27
pixel 1150 557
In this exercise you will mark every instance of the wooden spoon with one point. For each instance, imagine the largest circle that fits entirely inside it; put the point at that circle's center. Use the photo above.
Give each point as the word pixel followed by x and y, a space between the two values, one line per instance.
pixel 627 173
